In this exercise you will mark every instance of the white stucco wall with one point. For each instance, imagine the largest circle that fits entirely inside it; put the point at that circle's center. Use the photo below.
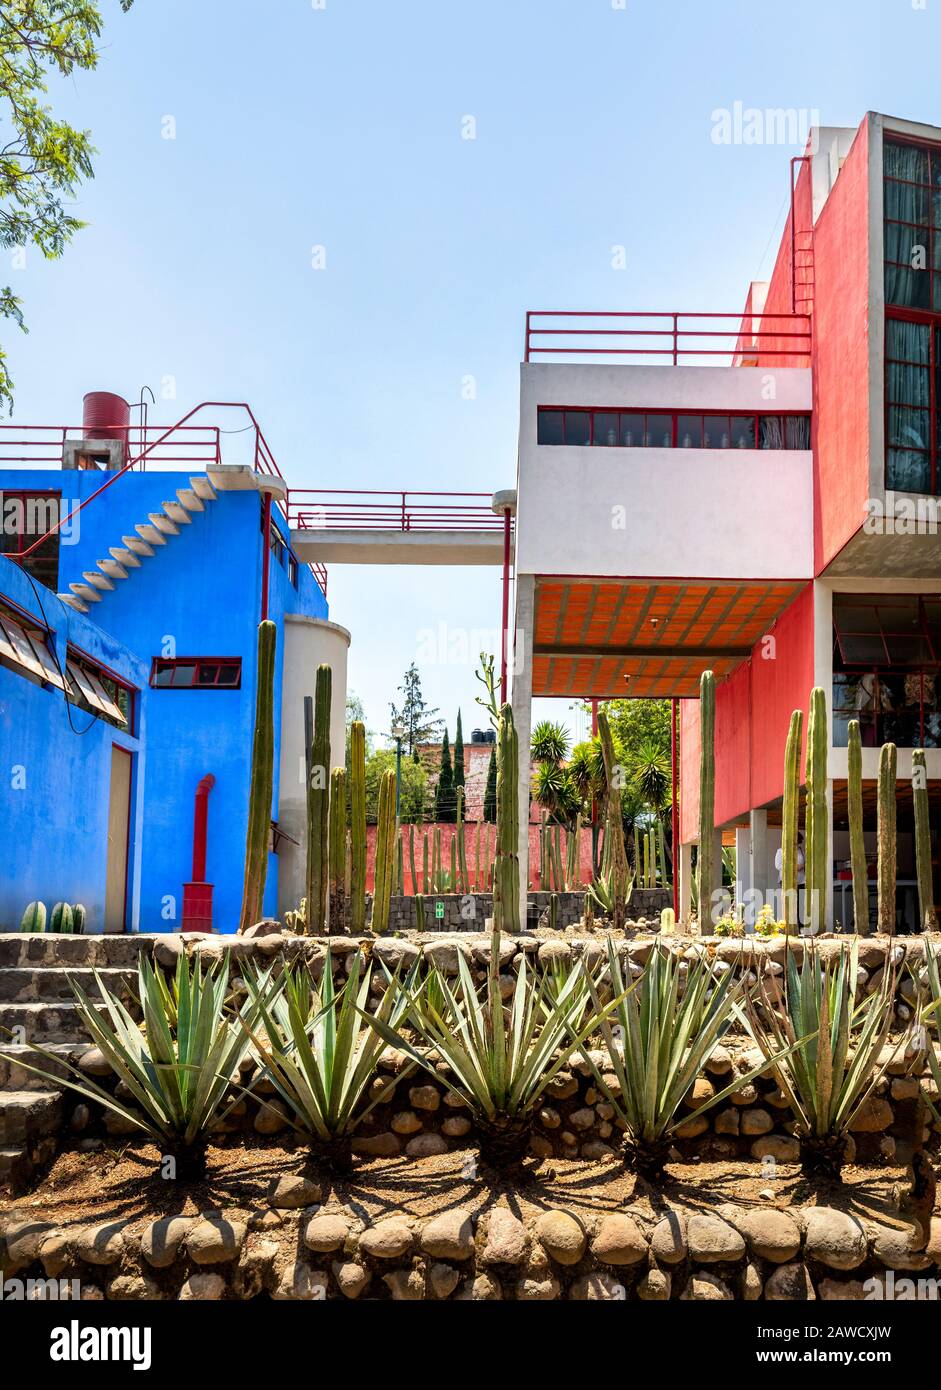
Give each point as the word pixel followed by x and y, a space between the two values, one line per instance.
pixel 699 513
pixel 308 643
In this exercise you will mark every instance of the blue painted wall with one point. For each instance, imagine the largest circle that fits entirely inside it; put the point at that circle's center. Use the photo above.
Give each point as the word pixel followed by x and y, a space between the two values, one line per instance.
pixel 55 772
pixel 199 595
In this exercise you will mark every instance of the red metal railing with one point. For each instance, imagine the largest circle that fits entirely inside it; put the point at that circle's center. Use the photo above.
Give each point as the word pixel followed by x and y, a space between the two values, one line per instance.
pixel 182 444
pixel 318 509
pixel 670 336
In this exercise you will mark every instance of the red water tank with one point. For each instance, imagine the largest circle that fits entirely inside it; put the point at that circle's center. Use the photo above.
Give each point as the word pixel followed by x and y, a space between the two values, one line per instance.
pixel 106 416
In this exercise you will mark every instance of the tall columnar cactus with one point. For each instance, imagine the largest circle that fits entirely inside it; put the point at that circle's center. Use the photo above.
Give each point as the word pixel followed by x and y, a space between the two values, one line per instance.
pixel 337 850
pixel 411 859
pixel 614 868
pixel 816 855
pixel 638 867
pixel 572 844
pixel 886 837
pixel 854 811
pixel 262 782
pixel 463 885
pixel 705 866
pixel 357 826
pixel 477 858
pixel 506 873
pixel 927 917
pixel 34 918
pixel 385 853
pixel 425 875
pixel 662 853
pixel 789 818
pixel 318 803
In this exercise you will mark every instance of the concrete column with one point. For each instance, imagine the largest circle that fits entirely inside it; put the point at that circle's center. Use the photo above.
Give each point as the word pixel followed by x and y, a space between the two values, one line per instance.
pixel 742 863
pixel 828 909
pixel 758 872
pixel 717 880
pixel 521 698
pixel 686 880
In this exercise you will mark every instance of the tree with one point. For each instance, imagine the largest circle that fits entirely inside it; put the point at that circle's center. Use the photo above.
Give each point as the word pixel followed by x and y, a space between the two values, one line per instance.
pixel 416 721
pixel 355 711
pixel 445 801
pixel 414 786
pixel 490 789
pixel 554 789
pixel 458 759
pixel 44 159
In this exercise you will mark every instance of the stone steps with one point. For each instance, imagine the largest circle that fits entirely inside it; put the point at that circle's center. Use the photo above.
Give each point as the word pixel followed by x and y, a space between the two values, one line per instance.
pixel 41 950
pixel 27 1116
pixel 42 1023
pixel 47 986
pixel 15 1077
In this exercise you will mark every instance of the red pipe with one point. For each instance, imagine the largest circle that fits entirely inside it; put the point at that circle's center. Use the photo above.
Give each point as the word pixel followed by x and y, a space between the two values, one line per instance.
pixel 266 558
pixel 675 809
pixel 506 603
pixel 200 816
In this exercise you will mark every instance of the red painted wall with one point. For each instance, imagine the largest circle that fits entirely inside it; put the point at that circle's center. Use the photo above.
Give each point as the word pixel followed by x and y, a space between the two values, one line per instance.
pixel 487 837
pixel 841 356
pixel 753 712
pixel 779 299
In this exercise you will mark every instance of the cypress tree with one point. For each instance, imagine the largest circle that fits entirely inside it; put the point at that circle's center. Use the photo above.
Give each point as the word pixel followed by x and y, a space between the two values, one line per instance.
pixel 445 806
pixel 458 758
pixel 490 790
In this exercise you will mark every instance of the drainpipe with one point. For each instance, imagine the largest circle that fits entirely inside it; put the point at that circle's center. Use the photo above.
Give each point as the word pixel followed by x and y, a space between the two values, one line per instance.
pixel 197 894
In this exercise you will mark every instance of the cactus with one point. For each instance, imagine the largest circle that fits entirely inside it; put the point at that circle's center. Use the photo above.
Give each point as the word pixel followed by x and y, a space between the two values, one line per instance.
pixel 854 811
pixel 318 804
pixel 385 851
pixel 789 818
pixel 79 918
pixel 399 859
pixel 571 854
pixel 638 869
pixel 461 847
pixel 419 912
pixel 477 858
pixel 554 911
pixel 615 874
pixel 411 858
pixel 927 917
pixel 337 850
pixel 885 835
pixel 668 922
pixel 436 860
pixel 816 855
pixel 452 870
pixel 705 867
pixel 662 853
pixel 357 827
pixel 61 921
pixel 34 918
pixel 506 871
pixel 425 880
pixel 262 782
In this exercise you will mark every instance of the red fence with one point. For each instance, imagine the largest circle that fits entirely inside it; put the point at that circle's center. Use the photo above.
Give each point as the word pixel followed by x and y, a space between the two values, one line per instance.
pixel 668 337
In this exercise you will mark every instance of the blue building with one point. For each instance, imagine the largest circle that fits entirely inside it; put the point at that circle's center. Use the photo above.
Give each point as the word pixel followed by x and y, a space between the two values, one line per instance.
pixel 128 681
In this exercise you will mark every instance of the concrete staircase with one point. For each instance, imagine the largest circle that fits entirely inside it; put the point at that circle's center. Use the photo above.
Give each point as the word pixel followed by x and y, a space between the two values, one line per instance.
pixel 155 531
pixel 37 1005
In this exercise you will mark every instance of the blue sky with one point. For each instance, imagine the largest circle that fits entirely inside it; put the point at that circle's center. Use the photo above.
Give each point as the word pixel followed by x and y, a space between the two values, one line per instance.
pixel 341 127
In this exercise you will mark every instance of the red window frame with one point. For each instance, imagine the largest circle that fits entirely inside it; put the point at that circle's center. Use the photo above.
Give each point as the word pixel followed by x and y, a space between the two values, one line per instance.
pixel 674 417
pixel 24 539
pixel 75 656
pixel 930 317
pixel 162 663
pixel 882 604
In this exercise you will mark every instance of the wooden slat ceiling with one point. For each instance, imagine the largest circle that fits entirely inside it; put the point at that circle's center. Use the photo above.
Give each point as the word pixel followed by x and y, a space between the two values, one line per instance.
pixel 590 634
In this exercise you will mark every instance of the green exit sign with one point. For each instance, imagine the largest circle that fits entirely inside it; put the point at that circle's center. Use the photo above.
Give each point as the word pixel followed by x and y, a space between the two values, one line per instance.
pixel 439 910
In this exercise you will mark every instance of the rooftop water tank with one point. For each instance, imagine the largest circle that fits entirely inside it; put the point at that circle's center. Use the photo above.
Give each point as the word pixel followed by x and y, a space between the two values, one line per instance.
pixel 105 416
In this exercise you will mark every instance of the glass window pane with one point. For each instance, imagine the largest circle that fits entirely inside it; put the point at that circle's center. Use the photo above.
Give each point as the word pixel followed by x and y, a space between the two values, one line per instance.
pixel 632 431
pixel 716 433
pixel 743 432
pixel 660 431
pixel 605 428
pixel 229 674
pixel 549 427
pixel 908 651
pixel 163 675
pixel 909 428
pixel 689 432
pixel 908 288
pixel 771 432
pixel 906 202
pixel 905 162
pixel 848 617
pixel 184 675
pixel 207 674
pixel 907 342
pixel 797 432
pixel 907 471
pixel 577 427
pixel 862 651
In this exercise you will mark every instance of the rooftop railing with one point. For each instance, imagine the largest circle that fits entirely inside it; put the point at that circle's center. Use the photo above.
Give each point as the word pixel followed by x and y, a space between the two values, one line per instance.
pixel 318 509
pixel 675 339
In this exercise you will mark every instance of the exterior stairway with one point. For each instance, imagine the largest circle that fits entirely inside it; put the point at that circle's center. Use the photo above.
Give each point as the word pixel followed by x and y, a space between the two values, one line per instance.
pixel 37 1004
pixel 155 531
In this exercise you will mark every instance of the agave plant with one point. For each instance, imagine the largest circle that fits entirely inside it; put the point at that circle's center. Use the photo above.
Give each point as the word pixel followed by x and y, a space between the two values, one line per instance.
pixel 929 1020
pixel 177 1064
pixel 501 1062
pixel 666 1026
pixel 319 1046
pixel 828 1046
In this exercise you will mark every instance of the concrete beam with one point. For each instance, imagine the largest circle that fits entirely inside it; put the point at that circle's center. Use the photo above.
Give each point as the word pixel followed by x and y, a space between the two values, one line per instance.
pixel 358 547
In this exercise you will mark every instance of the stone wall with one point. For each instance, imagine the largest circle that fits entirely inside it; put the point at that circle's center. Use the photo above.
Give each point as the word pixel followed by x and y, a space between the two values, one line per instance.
pixel 301 1246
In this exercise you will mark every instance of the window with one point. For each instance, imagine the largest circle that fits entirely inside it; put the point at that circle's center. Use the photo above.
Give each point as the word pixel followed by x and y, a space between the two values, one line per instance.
pixel 885 669
pixel 25 648
pixel 196 673
pixel 25 516
pixel 292 569
pixel 636 429
pixel 912 197
pixel 91 688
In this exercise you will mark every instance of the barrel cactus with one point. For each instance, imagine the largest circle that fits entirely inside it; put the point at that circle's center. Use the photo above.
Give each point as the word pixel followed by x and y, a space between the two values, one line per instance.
pixel 61 921
pixel 79 917
pixel 34 918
